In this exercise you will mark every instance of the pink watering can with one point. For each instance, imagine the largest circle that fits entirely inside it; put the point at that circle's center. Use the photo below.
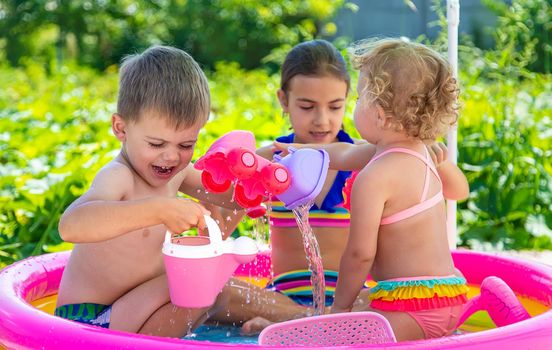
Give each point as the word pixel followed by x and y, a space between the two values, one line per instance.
pixel 294 179
pixel 199 267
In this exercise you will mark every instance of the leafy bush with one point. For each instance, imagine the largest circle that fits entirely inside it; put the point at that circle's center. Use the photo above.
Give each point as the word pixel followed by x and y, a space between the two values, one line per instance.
pixel 54 138
pixel 99 33
pixel 505 149
pixel 525 32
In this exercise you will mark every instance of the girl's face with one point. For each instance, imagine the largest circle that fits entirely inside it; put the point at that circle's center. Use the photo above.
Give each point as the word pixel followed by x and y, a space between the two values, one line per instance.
pixel 366 113
pixel 316 106
pixel 155 149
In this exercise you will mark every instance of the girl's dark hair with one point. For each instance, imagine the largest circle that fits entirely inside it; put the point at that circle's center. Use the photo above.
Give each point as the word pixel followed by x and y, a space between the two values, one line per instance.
pixel 314 58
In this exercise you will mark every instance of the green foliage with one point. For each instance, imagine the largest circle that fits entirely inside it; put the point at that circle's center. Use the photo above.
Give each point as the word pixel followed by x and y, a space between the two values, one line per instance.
pixel 505 150
pixel 504 141
pixel 525 32
pixel 98 33
pixel 54 138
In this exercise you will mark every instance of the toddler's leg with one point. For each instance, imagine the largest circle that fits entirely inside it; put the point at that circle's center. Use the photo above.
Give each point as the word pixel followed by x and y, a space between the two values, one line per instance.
pixel 404 326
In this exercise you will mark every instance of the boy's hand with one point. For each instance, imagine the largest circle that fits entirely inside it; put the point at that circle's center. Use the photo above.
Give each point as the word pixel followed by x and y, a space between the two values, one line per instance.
pixel 438 152
pixel 180 214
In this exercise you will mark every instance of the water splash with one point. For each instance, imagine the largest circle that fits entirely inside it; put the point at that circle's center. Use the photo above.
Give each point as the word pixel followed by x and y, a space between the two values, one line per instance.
pixel 259 229
pixel 312 251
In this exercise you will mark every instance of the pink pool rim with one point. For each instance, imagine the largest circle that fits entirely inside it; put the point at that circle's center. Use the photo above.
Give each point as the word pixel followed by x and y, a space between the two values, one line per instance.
pixel 22 326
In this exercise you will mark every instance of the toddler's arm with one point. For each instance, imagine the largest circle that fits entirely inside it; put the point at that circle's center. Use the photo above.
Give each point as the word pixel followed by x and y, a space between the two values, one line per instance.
pixel 104 212
pixel 358 257
pixel 343 156
pixel 455 184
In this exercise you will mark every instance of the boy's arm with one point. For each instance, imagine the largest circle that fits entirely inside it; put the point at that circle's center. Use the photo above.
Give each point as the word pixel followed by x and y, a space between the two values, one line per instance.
pixel 103 212
pixel 455 184
pixel 358 257
pixel 343 156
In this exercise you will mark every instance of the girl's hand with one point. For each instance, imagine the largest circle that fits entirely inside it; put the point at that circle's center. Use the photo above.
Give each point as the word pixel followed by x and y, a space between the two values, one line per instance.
pixel 180 214
pixel 438 152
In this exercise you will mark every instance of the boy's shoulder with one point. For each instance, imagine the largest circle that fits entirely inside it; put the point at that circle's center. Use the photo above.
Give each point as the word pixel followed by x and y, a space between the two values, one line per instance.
pixel 116 168
pixel 115 174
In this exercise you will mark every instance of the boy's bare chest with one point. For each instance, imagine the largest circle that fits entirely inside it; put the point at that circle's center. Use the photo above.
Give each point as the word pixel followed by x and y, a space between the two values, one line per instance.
pixel 143 190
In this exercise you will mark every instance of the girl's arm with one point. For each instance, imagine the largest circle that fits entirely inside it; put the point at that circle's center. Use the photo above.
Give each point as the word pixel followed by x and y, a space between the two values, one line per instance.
pixel 343 156
pixel 358 257
pixel 455 184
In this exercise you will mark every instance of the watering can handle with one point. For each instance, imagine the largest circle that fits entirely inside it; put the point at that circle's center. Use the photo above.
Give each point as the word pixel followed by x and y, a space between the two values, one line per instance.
pixel 215 236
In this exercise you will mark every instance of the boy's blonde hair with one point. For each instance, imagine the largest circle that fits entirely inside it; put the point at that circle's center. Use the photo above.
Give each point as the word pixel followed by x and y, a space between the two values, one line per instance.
pixel 164 80
pixel 411 82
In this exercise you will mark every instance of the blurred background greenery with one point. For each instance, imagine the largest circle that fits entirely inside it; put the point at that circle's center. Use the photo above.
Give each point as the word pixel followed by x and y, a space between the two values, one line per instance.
pixel 58 78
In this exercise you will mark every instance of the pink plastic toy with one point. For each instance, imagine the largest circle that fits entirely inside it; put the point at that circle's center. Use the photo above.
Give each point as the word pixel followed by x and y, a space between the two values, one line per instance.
pixel 198 267
pixel 350 328
pixel 232 158
pixel 498 300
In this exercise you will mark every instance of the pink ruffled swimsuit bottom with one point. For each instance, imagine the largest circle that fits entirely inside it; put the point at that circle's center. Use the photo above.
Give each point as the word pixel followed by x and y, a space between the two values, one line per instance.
pixel 435 302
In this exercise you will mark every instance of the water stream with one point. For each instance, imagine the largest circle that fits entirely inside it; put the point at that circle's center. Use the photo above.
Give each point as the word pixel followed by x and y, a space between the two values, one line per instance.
pixel 312 252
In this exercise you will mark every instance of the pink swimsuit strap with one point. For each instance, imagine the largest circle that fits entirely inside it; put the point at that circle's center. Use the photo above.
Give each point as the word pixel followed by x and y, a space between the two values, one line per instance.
pixel 424 204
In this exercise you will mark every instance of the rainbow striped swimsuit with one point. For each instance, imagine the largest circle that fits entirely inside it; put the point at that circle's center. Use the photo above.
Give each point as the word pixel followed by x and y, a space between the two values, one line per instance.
pixel 418 293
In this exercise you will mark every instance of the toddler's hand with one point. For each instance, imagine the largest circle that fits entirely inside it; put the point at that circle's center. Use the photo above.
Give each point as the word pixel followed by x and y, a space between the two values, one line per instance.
pixel 283 147
pixel 180 214
pixel 438 152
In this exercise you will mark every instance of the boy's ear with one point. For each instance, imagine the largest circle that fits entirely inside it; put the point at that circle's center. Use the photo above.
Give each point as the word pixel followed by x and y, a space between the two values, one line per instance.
pixel 118 127
pixel 283 100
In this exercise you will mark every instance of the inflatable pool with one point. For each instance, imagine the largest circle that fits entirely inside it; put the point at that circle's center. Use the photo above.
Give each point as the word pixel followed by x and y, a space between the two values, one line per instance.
pixel 24 326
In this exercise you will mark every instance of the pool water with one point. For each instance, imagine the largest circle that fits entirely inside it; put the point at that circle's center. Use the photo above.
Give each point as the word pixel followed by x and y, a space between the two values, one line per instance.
pixel 221 334
pixel 478 322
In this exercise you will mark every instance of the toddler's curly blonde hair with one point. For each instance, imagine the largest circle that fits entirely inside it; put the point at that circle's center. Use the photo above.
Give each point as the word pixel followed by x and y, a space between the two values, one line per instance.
pixel 411 82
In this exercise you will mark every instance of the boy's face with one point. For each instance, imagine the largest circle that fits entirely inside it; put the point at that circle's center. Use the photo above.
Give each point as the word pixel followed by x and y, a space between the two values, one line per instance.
pixel 316 106
pixel 156 150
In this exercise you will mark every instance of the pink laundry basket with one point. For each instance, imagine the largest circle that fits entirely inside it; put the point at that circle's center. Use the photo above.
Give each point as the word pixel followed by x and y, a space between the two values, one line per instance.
pixel 349 328
pixel 199 267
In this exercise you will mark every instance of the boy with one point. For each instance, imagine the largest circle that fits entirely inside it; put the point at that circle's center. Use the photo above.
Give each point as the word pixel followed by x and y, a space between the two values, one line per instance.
pixel 115 276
